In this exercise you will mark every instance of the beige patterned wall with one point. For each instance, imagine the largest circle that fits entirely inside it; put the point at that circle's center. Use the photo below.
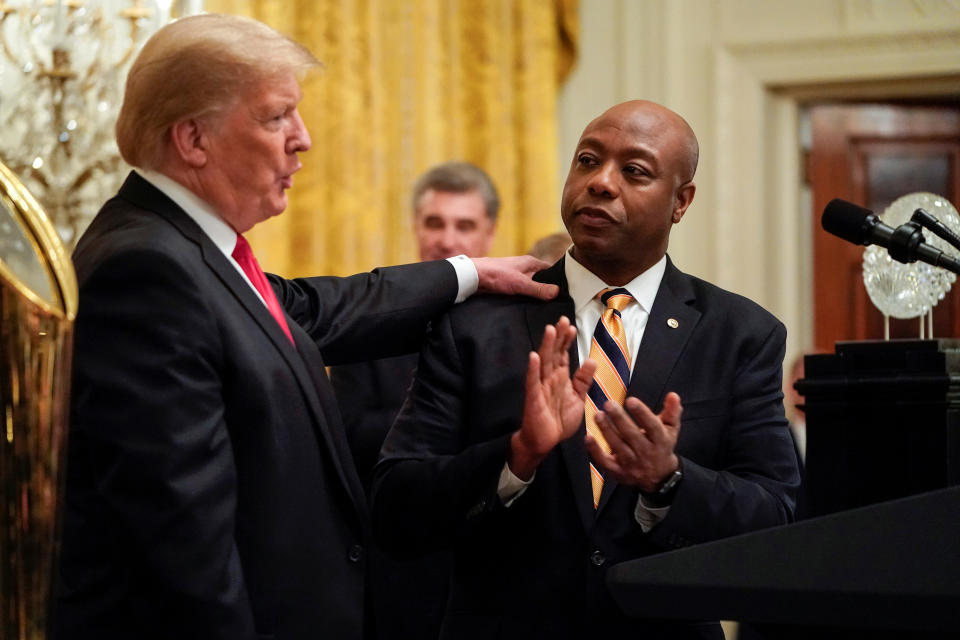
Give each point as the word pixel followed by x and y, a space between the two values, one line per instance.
pixel 740 71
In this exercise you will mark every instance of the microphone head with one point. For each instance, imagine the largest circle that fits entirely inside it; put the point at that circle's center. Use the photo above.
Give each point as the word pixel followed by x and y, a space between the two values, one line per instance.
pixel 847 220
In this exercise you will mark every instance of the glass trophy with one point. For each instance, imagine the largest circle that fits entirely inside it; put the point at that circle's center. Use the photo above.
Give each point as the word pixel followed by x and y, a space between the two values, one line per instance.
pixel 910 290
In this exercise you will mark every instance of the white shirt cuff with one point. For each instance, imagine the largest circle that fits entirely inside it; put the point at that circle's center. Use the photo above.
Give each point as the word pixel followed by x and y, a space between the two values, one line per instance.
pixel 510 487
pixel 649 517
pixel 468 280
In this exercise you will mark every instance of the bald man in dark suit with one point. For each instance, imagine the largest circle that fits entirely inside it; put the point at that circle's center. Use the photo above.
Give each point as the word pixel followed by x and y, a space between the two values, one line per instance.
pixel 491 455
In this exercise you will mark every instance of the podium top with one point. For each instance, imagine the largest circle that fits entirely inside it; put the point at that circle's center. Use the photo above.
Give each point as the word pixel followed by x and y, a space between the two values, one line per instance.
pixel 894 565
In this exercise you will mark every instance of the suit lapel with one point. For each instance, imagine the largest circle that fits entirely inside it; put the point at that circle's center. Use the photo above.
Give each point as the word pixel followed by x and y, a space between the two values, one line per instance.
pixel 572 450
pixel 669 327
pixel 324 403
pixel 146 196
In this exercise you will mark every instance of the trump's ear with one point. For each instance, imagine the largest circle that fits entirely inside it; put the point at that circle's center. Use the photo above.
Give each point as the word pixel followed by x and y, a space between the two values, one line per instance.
pixel 189 142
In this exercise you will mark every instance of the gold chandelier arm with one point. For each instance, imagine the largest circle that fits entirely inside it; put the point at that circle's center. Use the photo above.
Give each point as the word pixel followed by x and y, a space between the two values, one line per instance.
pixel 134 14
pixel 93 74
pixel 5 11
pixel 105 165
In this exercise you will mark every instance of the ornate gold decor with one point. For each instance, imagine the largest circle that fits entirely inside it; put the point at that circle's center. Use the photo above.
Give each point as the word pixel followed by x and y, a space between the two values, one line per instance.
pixel 38 302
pixel 61 84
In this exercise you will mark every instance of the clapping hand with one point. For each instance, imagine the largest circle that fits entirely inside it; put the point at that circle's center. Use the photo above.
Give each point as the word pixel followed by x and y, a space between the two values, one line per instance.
pixel 553 409
pixel 641 443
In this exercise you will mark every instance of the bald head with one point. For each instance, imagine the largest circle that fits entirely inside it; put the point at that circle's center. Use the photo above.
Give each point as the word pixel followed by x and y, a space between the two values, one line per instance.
pixel 687 152
pixel 630 181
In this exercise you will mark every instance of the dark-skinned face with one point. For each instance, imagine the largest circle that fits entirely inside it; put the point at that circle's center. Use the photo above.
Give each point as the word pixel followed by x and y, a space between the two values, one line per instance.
pixel 627 186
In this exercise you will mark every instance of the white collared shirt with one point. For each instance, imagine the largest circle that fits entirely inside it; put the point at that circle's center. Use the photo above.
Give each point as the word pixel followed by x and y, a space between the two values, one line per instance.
pixel 584 286
pixel 220 233
pixel 225 237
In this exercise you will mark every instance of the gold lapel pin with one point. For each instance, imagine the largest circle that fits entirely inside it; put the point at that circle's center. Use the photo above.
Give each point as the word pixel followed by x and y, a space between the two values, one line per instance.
pixel 672 323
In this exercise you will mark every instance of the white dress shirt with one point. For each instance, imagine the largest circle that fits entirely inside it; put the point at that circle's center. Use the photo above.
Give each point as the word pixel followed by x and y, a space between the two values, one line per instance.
pixel 219 232
pixel 584 286
pixel 225 237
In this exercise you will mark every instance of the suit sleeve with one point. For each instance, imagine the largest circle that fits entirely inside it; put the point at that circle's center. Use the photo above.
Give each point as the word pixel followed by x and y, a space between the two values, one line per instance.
pixel 370 315
pixel 149 433
pixel 756 482
pixel 428 484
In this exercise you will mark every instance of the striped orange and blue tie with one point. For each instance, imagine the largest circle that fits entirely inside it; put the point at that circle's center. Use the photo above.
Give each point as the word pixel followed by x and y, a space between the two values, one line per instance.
pixel 609 351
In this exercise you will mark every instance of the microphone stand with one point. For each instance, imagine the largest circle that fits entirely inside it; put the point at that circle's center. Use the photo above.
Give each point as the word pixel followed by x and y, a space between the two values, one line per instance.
pixel 930 222
pixel 922 217
pixel 907 245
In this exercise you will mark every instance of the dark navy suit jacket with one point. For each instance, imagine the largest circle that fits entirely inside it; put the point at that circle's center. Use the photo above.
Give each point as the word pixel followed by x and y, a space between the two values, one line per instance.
pixel 538 567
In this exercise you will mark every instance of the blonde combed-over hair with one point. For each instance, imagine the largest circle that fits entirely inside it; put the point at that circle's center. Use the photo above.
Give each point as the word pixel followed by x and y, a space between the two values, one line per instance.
pixel 196 67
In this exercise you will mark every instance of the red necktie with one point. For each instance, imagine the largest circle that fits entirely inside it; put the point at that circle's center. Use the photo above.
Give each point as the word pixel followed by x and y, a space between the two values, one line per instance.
pixel 244 257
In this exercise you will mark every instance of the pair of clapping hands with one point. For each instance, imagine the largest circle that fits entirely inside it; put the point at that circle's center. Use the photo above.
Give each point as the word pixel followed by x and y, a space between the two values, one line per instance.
pixel 641 442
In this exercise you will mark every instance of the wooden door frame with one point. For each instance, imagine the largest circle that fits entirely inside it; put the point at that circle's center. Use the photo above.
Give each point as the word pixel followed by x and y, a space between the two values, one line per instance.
pixel 844 135
pixel 758 107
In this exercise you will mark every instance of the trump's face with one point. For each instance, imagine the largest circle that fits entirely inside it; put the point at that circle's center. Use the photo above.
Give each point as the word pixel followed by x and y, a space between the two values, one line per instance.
pixel 252 153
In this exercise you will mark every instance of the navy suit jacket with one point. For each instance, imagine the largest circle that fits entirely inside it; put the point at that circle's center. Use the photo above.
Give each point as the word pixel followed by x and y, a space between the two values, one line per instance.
pixel 210 489
pixel 537 568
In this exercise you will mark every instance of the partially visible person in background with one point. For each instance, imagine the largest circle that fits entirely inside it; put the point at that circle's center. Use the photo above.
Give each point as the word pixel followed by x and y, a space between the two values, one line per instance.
pixel 455 207
pixel 552 247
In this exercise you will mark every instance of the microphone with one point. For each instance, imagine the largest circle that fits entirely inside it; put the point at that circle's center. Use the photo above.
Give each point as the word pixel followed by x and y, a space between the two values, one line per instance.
pixel 904 244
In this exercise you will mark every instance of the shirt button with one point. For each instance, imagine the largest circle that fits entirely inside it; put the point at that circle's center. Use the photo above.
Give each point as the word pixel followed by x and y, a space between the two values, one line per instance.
pixel 597 558
pixel 356 553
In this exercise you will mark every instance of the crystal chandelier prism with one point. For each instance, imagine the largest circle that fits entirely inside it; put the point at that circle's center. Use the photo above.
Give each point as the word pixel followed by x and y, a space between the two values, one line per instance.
pixel 62 74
